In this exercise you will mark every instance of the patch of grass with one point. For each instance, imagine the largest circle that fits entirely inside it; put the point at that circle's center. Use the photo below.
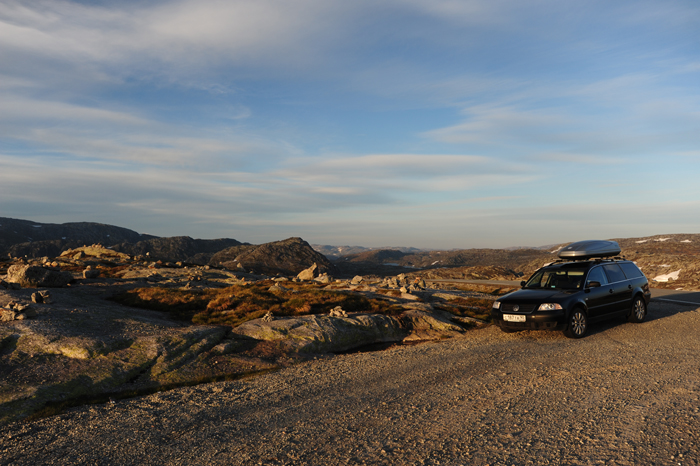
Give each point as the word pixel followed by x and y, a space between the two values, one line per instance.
pixel 237 304
pixel 493 290
pixel 112 271
pixel 181 304
pixel 478 308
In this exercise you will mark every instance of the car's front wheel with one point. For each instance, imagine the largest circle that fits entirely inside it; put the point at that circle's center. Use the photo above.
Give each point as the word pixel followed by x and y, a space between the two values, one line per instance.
pixel 578 324
pixel 639 310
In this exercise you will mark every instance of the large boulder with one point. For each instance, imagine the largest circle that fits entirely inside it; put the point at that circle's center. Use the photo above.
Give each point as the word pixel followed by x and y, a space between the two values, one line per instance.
pixel 309 274
pixel 34 276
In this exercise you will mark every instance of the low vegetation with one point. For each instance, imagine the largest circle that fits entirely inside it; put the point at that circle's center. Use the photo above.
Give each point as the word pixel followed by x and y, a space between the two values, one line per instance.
pixel 238 303
pixel 493 290
pixel 478 308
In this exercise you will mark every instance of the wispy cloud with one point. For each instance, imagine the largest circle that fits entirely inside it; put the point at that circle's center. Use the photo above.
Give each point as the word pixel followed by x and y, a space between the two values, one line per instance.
pixel 348 118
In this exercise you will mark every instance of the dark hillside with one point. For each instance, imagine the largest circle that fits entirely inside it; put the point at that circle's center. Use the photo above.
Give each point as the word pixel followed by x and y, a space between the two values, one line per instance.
pixel 34 239
pixel 178 248
pixel 288 257
pixel 385 262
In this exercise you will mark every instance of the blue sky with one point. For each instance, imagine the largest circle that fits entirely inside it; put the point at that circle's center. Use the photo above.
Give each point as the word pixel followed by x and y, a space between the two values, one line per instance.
pixel 441 124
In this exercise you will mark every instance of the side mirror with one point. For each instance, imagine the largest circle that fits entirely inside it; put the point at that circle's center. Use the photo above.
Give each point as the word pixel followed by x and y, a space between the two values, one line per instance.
pixel 522 284
pixel 593 284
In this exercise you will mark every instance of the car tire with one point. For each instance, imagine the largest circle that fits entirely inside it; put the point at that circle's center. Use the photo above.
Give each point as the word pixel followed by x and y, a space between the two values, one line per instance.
pixel 639 310
pixel 577 326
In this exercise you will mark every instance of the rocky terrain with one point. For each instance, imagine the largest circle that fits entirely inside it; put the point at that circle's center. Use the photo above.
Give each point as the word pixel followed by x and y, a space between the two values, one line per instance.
pixel 673 259
pixel 95 323
pixel 142 314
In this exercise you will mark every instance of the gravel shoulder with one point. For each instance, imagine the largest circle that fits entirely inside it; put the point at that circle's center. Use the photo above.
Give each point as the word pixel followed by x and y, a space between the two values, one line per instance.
pixel 625 394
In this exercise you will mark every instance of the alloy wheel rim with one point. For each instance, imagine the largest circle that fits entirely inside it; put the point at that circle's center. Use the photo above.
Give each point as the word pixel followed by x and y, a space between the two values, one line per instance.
pixel 639 309
pixel 579 323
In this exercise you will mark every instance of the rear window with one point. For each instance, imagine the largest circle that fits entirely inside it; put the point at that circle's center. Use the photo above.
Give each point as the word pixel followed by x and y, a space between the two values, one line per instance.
pixel 614 273
pixel 631 270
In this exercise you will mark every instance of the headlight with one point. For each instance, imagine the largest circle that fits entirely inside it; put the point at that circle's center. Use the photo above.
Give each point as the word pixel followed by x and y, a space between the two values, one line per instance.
pixel 549 307
pixel 496 305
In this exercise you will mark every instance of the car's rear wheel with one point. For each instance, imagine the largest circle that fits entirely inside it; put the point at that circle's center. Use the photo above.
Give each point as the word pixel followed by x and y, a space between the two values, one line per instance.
pixel 577 325
pixel 639 310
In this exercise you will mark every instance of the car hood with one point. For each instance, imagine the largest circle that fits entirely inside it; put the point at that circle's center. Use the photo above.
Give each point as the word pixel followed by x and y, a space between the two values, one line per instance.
pixel 536 296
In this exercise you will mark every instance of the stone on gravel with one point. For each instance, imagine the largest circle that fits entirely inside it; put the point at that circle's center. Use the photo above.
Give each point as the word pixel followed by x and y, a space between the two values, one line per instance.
pixel 17 311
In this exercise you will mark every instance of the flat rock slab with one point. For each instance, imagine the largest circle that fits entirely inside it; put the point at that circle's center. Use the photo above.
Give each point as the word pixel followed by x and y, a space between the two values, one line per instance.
pixel 326 334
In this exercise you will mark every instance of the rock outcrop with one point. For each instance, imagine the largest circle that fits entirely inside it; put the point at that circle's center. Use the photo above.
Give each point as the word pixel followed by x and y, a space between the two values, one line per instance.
pixel 310 273
pixel 287 257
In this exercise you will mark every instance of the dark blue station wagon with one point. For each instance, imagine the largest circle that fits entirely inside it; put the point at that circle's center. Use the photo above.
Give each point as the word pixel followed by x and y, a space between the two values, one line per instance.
pixel 586 286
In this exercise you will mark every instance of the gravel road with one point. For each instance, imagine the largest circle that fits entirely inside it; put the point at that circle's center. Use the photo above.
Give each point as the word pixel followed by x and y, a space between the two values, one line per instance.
pixel 625 394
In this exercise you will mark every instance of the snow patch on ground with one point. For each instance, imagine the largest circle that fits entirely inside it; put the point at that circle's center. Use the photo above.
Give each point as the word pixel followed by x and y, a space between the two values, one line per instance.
pixel 668 276
pixel 556 250
pixel 661 240
pixel 641 241
pixel 686 241
pixel 434 262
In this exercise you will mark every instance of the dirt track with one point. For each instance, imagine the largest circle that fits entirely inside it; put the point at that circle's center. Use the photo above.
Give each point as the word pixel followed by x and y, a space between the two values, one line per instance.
pixel 626 394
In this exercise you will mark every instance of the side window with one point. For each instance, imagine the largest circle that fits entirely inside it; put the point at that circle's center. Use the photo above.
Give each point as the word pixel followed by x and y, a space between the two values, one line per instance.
pixel 631 270
pixel 596 275
pixel 614 273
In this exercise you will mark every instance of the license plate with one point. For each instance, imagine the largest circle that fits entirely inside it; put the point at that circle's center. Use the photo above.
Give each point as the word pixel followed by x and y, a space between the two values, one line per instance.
pixel 513 318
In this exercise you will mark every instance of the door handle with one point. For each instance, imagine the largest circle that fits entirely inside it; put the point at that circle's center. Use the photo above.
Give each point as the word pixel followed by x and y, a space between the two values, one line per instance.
pixel 629 287
pixel 611 291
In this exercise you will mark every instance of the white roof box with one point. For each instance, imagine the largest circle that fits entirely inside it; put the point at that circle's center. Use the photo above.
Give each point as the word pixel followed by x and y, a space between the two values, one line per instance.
pixel 588 249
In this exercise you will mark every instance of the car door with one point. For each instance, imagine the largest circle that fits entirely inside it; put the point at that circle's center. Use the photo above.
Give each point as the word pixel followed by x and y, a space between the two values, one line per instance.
pixel 621 289
pixel 598 298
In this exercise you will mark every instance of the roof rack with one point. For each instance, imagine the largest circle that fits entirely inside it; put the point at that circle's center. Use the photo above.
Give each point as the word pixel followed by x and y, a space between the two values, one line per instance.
pixel 588 259
pixel 589 250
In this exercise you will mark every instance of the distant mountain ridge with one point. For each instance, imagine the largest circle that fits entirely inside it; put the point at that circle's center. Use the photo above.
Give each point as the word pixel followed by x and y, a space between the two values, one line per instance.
pixel 35 239
pixel 673 255
pixel 333 252
pixel 20 238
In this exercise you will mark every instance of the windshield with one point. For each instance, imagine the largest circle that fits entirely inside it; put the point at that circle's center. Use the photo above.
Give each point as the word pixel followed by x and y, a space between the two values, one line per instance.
pixel 564 279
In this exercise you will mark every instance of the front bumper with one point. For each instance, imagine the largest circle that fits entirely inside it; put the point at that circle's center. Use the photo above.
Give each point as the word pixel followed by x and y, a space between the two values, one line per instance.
pixel 537 320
